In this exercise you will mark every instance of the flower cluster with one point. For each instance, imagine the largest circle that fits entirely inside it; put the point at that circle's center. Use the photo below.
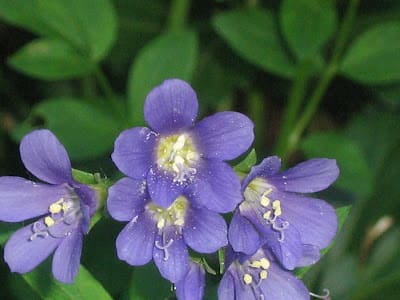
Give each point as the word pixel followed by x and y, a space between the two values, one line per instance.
pixel 177 184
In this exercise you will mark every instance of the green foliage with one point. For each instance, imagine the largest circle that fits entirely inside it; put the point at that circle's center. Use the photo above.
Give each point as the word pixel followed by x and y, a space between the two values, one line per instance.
pixel 374 58
pixel 50 60
pixel 159 60
pixel 83 126
pixel 85 286
pixel 77 34
pixel 253 34
pixel 307 25
pixel 148 284
pixel 245 165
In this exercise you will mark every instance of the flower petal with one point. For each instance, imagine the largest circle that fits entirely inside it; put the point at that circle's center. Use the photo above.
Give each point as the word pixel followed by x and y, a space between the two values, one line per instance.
pixel 171 106
pixel 282 285
pixel 22 254
pixel 135 242
pixel 311 254
pixel 45 157
pixel 226 289
pixel 126 199
pixel 268 167
pixel 192 286
pixel 315 219
pixel 173 261
pixel 243 237
pixel 307 177
pixel 162 189
pixel 216 186
pixel 224 135
pixel 66 259
pixel 21 199
pixel 88 197
pixel 205 231
pixel 133 151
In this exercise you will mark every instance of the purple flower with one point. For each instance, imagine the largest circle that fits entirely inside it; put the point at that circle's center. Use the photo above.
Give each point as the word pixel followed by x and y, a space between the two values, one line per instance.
pixel 258 277
pixel 293 226
pixel 162 234
pixel 192 286
pixel 175 156
pixel 62 208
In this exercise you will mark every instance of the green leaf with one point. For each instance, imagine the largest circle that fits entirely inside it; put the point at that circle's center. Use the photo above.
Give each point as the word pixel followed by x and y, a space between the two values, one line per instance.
pixel 84 287
pixel 83 127
pixel 171 55
pixel 253 34
pixel 342 215
pixel 374 58
pixel 25 14
pixel 83 177
pixel 148 284
pixel 307 25
pixel 50 60
pixel 245 165
pixel 376 132
pixel 89 25
pixel 355 173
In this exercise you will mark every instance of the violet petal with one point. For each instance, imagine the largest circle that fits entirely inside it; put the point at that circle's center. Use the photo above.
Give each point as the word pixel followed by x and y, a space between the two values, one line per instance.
pixel 22 254
pixel 310 176
pixel 127 198
pixel 216 186
pixel 21 199
pixel 133 151
pixel 171 106
pixel 67 257
pixel 205 231
pixel 224 135
pixel 135 242
pixel 45 157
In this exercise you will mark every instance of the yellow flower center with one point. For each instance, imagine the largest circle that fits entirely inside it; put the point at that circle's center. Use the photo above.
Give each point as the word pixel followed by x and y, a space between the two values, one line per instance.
pixel 178 155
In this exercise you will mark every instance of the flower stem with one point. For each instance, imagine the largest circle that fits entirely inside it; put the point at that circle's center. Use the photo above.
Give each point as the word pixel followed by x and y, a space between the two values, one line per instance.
pixel 178 14
pixel 296 96
pixel 108 93
pixel 328 74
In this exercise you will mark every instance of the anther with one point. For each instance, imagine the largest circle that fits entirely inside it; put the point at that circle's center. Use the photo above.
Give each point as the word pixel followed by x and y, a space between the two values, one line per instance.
pixel 263 275
pixel 265 264
pixel 247 278
pixel 256 264
pixel 49 221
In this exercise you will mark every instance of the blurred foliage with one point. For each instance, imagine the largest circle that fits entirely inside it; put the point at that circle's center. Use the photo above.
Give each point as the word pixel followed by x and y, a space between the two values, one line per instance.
pixel 320 78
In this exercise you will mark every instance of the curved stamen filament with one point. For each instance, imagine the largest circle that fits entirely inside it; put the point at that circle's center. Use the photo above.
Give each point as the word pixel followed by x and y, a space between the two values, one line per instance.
pixel 164 246
pixel 325 296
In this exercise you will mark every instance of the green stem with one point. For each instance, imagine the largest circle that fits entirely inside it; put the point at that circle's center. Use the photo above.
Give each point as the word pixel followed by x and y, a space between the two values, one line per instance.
pixel 108 92
pixel 296 96
pixel 257 114
pixel 178 14
pixel 323 84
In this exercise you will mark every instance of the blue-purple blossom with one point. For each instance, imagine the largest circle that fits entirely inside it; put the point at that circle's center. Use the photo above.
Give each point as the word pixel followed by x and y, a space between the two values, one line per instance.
pixel 258 277
pixel 176 156
pixel 191 287
pixel 294 227
pixel 61 209
pixel 162 234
